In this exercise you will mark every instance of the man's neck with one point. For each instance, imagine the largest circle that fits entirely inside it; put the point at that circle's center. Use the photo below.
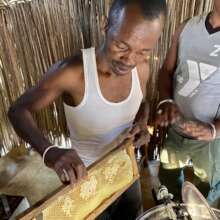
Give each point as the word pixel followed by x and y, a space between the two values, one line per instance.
pixel 102 64
pixel 214 19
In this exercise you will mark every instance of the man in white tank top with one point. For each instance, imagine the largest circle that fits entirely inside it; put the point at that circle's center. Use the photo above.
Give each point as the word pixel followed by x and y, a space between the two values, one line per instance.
pixel 190 102
pixel 102 91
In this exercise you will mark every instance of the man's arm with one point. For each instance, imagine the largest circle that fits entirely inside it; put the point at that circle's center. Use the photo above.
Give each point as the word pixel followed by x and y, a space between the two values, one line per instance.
pixel 139 129
pixel 143 112
pixel 217 127
pixel 168 112
pixel 35 99
pixel 53 84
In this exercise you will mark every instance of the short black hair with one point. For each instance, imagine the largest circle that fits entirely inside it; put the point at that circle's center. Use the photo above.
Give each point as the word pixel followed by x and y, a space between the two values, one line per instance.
pixel 151 9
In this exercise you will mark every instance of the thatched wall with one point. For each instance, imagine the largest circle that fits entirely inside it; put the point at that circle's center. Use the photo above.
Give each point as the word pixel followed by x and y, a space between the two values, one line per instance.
pixel 37 33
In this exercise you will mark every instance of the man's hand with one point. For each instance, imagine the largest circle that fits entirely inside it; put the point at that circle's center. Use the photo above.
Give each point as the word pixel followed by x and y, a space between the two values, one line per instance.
pixel 198 130
pixel 67 164
pixel 139 134
pixel 167 114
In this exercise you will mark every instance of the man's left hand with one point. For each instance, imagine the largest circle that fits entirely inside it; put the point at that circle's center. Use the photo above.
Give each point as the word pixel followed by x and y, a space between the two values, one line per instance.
pixel 198 130
pixel 139 134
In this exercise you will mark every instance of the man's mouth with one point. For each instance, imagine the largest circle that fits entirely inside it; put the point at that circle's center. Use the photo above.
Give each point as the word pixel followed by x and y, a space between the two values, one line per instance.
pixel 121 68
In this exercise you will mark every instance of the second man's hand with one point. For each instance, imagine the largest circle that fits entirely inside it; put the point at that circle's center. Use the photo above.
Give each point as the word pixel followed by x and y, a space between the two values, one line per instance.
pixel 167 114
pixel 198 130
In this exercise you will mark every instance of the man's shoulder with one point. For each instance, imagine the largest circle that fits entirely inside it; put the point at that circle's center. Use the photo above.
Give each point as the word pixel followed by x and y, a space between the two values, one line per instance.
pixel 195 21
pixel 197 18
pixel 72 63
pixel 65 73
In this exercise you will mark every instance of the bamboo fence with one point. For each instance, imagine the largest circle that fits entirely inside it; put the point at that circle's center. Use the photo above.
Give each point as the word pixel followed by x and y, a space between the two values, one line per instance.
pixel 35 34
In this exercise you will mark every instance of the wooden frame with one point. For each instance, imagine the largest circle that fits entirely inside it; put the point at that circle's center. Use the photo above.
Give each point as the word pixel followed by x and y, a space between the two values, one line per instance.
pixel 38 208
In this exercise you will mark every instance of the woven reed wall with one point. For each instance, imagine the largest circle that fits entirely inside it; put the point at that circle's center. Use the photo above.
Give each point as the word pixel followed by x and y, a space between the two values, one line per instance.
pixel 34 34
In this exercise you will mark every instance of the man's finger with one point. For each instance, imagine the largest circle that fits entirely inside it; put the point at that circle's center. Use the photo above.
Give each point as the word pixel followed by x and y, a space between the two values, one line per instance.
pixel 61 174
pixel 164 120
pixel 70 174
pixel 195 132
pixel 158 120
pixel 138 143
pixel 84 173
pixel 174 116
pixel 79 169
pixel 135 130
pixel 159 116
pixel 205 138
pixel 143 139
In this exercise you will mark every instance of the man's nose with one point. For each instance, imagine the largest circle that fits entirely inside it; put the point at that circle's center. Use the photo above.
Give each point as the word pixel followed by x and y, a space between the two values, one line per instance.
pixel 129 59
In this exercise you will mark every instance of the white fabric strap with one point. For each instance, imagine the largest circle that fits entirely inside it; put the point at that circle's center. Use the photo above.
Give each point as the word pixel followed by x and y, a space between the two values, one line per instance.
pixel 164 101
pixel 214 133
pixel 46 150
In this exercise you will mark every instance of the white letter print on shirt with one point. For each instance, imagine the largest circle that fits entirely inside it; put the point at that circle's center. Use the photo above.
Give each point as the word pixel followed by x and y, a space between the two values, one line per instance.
pixel 216 52
pixel 197 72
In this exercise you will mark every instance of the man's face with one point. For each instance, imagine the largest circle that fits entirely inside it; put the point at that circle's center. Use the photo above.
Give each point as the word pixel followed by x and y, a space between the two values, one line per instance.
pixel 130 41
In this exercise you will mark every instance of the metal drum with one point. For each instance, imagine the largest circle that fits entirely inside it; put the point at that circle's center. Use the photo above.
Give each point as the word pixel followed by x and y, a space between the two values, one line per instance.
pixel 161 213
pixel 194 207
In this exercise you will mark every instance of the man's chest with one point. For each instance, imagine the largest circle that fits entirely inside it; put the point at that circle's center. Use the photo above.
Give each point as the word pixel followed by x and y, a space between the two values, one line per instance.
pixel 113 89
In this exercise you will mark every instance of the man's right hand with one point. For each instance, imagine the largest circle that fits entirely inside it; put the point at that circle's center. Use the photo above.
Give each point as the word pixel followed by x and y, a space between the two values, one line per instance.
pixel 67 164
pixel 167 114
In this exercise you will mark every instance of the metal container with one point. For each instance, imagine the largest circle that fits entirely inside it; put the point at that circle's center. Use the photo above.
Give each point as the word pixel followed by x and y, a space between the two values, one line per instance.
pixel 160 213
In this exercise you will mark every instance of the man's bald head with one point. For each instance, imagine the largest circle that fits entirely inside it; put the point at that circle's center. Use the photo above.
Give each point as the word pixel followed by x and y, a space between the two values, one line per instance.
pixel 149 9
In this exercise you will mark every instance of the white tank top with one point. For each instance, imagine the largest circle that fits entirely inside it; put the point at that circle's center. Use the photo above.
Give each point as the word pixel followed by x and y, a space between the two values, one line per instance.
pixel 96 122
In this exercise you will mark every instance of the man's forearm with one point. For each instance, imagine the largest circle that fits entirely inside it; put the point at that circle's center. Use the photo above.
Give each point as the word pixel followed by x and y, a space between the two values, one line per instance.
pixel 143 114
pixel 165 84
pixel 217 127
pixel 25 126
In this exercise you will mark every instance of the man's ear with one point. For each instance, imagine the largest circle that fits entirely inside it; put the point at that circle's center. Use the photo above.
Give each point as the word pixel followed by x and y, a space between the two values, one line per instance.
pixel 104 24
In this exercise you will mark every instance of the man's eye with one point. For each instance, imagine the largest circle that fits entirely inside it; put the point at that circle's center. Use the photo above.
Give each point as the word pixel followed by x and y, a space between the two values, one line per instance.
pixel 122 47
pixel 145 53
